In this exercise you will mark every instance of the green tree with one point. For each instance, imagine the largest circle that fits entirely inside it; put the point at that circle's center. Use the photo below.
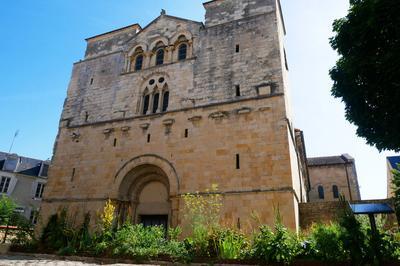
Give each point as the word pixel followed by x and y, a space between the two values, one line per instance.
pixel 367 75
pixel 7 208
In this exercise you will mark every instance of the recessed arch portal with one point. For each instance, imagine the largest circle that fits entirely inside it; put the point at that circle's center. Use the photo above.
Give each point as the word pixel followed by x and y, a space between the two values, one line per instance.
pixel 144 193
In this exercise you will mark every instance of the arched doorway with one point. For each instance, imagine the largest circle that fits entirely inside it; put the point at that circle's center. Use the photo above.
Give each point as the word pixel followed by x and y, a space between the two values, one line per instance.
pixel 144 196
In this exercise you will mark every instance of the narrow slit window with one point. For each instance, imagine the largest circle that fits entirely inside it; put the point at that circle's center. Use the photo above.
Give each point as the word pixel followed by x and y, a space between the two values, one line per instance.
pixel 148 138
pixel 115 142
pixel 237 88
pixel 165 101
pixel 146 101
pixel 237 161
pixel 186 133
pixel 237 48
pixel 156 99
pixel 73 174
pixel 91 81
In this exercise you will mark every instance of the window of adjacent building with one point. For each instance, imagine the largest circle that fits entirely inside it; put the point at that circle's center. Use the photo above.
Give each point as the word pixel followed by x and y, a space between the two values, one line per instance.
pixel 321 193
pixel 335 191
pixel 4 184
pixel 146 102
pixel 160 57
pixel 39 190
pixel 33 217
pixel 165 101
pixel 182 51
pixel 139 62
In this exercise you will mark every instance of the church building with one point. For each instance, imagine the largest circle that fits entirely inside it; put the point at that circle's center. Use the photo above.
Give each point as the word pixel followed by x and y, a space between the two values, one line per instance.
pixel 155 112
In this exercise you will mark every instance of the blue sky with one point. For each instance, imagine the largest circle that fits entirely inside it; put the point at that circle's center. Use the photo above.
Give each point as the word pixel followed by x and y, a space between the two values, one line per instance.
pixel 41 39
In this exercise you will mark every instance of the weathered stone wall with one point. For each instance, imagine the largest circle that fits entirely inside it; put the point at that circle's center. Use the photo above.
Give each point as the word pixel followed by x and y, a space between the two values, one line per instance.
pixel 330 211
pixel 206 157
pixel 330 175
pixel 103 136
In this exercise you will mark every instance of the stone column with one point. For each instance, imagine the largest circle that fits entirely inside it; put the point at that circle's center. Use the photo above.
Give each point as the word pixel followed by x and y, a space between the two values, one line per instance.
pixel 147 59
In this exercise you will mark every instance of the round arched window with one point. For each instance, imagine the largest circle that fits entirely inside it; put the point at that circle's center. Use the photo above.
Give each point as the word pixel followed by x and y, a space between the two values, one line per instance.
pixel 182 51
pixel 160 56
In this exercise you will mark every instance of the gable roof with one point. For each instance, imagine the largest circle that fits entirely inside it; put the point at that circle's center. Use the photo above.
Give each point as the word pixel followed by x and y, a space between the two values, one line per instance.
pixel 394 161
pixel 170 17
pixel 330 160
pixel 14 163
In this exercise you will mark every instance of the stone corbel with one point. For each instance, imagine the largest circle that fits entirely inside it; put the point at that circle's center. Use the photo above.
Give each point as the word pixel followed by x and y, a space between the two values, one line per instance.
pixel 244 110
pixel 218 115
pixel 108 131
pixel 125 128
pixel 168 124
pixel 145 126
pixel 265 108
pixel 195 118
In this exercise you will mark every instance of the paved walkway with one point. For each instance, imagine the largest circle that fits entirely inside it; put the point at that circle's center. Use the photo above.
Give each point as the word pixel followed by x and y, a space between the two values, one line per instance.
pixel 22 260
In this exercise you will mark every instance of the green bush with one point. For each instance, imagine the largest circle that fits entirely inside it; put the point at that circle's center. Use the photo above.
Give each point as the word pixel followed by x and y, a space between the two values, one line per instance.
pixel 275 246
pixel 143 243
pixel 231 244
pixel 325 244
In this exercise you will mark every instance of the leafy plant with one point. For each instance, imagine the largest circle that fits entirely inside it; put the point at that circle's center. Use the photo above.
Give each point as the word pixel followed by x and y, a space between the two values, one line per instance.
pixel 7 208
pixel 202 214
pixel 231 244
pixel 354 238
pixel 107 216
pixel 324 243
pixel 396 192
pixel 275 246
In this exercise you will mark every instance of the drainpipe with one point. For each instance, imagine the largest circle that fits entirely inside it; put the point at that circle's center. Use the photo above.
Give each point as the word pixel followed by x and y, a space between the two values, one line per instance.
pixel 346 162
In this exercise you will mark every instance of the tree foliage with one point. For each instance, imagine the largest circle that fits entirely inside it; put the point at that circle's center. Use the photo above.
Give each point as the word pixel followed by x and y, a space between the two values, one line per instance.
pixel 367 75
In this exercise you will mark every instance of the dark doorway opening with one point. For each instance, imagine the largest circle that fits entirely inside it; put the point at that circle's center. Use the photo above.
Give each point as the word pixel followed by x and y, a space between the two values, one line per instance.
pixel 154 220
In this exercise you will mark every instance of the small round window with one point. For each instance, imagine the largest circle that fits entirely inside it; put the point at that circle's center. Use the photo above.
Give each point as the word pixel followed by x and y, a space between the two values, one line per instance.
pixel 161 80
pixel 152 81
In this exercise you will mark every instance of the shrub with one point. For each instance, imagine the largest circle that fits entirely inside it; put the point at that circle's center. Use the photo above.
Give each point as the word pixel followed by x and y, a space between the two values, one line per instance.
pixel 231 244
pixel 325 243
pixel 53 236
pixel 143 243
pixel 275 246
pixel 202 214
pixel 354 238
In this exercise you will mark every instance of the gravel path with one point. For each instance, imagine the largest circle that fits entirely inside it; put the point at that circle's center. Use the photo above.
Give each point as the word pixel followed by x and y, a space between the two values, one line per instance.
pixel 22 260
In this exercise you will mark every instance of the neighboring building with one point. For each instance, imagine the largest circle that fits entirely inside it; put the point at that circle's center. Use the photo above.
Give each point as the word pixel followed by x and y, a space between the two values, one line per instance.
pixel 23 179
pixel 156 112
pixel 392 163
pixel 332 177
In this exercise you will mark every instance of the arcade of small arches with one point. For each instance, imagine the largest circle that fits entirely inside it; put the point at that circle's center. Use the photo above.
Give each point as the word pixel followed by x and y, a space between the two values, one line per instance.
pixel 160 52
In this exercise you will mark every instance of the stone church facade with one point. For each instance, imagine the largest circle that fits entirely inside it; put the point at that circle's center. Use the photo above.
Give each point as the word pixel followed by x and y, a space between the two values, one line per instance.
pixel 157 112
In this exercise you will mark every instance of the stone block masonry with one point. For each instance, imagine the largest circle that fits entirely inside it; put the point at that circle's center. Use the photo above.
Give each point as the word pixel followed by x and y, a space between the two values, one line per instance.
pixel 153 113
